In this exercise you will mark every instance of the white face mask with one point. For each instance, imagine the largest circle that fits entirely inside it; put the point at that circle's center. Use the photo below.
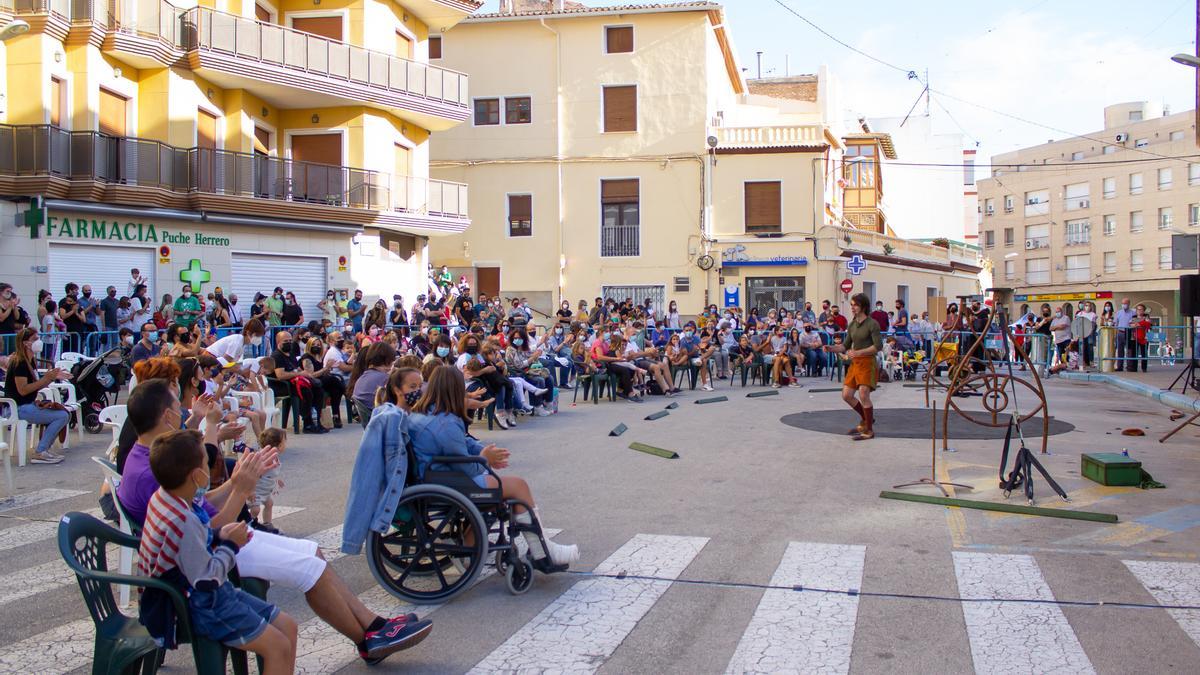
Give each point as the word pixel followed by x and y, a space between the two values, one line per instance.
pixel 128 339
pixel 37 346
pixel 256 340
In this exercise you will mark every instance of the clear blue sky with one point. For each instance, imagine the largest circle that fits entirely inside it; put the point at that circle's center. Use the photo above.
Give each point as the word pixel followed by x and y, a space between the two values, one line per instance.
pixel 1054 62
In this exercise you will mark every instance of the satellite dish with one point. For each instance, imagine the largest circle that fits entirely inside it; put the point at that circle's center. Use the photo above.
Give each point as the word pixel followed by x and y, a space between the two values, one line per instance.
pixel 13 29
pixel 712 140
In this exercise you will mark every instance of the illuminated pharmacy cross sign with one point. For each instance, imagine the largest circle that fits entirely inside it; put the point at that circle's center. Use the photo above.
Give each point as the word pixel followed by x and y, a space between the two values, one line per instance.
pixel 856 264
pixel 194 275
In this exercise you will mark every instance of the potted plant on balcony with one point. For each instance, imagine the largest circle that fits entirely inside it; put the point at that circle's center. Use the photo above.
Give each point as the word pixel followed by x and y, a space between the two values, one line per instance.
pixel 888 249
pixel 940 242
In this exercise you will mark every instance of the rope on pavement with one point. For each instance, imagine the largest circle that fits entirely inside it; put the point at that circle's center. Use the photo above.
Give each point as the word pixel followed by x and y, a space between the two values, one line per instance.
pixel 854 592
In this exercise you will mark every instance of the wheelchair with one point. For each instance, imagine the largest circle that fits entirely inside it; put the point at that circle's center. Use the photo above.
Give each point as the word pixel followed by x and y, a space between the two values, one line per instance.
pixel 445 530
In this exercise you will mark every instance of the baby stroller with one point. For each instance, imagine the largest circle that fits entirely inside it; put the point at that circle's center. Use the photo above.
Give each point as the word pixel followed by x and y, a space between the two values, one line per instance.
pixel 95 379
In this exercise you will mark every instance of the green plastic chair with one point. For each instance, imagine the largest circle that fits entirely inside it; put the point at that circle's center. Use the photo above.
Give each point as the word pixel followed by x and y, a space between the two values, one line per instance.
pixel 122 644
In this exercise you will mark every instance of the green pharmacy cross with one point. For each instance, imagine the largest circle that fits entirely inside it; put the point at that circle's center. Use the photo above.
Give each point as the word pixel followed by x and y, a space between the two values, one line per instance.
pixel 195 275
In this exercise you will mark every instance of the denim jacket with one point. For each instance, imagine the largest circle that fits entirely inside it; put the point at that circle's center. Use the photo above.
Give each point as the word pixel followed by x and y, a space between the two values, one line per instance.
pixel 378 479
pixel 442 434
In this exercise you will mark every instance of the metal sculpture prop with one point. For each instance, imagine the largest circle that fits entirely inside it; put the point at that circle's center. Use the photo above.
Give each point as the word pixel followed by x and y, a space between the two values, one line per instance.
pixel 972 372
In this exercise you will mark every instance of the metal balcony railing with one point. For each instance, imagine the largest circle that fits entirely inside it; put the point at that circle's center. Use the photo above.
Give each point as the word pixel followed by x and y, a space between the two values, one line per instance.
pixel 43 150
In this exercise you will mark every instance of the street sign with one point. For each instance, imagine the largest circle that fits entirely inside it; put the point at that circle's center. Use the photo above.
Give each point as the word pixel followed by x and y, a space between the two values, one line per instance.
pixel 856 264
pixel 847 285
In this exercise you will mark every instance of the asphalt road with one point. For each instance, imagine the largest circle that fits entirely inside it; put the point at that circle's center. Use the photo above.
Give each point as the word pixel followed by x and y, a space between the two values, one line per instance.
pixel 751 502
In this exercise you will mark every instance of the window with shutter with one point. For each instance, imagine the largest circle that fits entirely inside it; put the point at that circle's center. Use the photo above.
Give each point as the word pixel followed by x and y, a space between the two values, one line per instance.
pixel 112 113
pixel 620 218
pixel 435 47
pixel 620 108
pixel 487 111
pixel 618 39
pixel 520 215
pixel 56 101
pixel 763 200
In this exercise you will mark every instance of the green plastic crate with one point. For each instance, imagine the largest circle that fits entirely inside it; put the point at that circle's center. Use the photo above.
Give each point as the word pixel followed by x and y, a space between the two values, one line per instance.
pixel 1111 468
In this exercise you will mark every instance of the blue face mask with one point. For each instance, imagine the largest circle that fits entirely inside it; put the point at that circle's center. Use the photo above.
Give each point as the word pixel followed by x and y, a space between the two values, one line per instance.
pixel 201 491
pixel 606 336
pixel 518 341
pixel 443 351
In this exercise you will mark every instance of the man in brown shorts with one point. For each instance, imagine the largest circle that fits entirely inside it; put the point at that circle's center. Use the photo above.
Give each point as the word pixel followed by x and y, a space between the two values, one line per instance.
pixel 862 342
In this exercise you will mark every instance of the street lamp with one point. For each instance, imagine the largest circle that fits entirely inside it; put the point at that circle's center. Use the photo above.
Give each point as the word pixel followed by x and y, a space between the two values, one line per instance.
pixel 1186 60
pixel 1194 63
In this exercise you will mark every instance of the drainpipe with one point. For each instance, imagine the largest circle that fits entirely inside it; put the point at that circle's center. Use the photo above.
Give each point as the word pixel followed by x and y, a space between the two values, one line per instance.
pixel 558 147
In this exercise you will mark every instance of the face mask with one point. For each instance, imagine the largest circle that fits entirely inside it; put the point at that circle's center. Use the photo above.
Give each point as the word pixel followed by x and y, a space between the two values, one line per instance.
pixel 291 301
pixel 1124 305
pixel 128 339
pixel 287 347
pixel 606 336
pixel 1046 313
pixel 37 346
pixel 411 398
pixel 256 340
pixel 518 341
pixel 201 490
pixel 87 294
pixel 472 349
pixel 443 351
pixel 808 329
pixel 399 304
pixel 187 294
pixel 558 331
pixel 688 333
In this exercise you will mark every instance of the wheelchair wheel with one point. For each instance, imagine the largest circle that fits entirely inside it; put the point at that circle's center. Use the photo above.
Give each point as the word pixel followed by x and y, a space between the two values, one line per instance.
pixel 519 577
pixel 426 558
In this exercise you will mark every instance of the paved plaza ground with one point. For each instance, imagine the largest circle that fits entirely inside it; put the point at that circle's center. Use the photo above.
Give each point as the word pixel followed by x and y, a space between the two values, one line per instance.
pixel 750 502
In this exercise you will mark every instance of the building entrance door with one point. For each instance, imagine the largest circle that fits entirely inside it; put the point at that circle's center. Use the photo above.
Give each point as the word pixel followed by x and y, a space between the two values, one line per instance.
pixel 487 281
pixel 767 293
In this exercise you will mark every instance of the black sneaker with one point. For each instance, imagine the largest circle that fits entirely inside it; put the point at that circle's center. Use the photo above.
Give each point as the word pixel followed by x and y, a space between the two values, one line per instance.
pixel 263 527
pixel 397 634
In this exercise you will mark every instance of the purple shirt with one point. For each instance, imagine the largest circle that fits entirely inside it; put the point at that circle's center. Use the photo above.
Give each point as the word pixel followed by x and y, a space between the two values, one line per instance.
pixel 138 485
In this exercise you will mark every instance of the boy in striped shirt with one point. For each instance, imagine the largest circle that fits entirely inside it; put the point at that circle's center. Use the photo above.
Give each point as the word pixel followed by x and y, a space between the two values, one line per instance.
pixel 176 536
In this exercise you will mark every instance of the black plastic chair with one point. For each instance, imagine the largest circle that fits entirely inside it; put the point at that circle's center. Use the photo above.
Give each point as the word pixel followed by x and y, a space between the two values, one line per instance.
pixel 123 644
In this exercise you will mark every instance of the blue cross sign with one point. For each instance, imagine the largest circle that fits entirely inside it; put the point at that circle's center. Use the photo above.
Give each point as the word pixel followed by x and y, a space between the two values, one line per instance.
pixel 856 264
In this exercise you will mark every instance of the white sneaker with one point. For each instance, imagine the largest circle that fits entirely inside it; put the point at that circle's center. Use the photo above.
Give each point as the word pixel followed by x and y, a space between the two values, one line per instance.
pixel 707 387
pixel 541 392
pixel 562 554
pixel 774 385
pixel 794 384
pixel 541 411
pixel 501 421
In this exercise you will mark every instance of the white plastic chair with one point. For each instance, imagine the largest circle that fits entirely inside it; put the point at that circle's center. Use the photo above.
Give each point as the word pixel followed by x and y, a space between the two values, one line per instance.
pixel 15 428
pixel 66 396
pixel 72 357
pixel 113 480
pixel 113 417
pixel 8 414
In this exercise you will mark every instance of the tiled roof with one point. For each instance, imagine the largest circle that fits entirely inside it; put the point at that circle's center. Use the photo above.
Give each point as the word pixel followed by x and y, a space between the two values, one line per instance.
pixel 616 9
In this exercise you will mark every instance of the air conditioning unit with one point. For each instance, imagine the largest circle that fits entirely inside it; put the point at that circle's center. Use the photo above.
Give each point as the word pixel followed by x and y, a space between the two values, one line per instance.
pixel 1121 138
pixel 991 210
pixel 1030 244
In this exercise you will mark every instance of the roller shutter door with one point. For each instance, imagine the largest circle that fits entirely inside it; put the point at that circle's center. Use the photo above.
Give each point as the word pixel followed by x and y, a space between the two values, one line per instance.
pixel 304 276
pixel 101 267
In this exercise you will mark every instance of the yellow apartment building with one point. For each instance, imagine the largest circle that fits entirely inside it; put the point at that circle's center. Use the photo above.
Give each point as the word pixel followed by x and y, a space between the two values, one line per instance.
pixel 245 144
pixel 619 152
pixel 1095 216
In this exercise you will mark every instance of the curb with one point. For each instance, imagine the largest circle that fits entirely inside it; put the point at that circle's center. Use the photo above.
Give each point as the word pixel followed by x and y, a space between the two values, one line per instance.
pixel 1167 398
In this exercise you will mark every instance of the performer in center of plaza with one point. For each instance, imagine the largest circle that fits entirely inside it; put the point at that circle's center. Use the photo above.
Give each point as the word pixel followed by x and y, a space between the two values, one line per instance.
pixel 862 342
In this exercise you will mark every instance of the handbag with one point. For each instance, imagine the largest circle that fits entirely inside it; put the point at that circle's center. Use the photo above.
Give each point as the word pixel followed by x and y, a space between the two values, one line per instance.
pixel 54 405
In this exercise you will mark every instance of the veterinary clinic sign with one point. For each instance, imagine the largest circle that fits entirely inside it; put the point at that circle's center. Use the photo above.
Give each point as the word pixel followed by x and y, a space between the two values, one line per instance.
pixel 62 227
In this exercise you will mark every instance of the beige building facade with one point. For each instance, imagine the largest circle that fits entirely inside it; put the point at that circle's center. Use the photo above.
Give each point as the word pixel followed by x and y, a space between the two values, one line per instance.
pixel 1095 215
pixel 618 152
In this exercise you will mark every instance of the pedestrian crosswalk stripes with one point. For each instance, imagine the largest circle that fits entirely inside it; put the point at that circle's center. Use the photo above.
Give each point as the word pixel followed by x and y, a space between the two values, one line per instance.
pixel 585 625
pixel 806 632
pixel 796 625
pixel 32 532
pixel 1020 637
pixel 1173 584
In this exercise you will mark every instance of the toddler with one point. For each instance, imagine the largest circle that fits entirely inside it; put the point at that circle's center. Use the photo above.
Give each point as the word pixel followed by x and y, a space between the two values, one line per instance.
pixel 262 502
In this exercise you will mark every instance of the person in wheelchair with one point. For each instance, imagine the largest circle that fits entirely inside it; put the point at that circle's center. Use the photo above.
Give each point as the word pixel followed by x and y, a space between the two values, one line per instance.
pixel 438 426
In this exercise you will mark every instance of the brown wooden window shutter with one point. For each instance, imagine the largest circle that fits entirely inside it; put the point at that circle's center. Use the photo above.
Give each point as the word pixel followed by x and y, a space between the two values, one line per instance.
pixel 620 108
pixel 520 215
pixel 435 47
pixel 619 39
pixel 621 191
pixel 763 207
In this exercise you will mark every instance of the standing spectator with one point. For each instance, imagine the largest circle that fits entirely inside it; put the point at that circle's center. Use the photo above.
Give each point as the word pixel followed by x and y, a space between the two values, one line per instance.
pixel 1107 318
pixel 108 309
pixel 1140 328
pixel 901 325
pixel 136 278
pixel 564 314
pixel 165 316
pixel 355 309
pixel 823 317
pixel 274 307
pixel 52 330
pixel 141 307
pixel 72 317
pixel 91 309
pixel 880 316
pixel 219 310
pixel 292 314
pixel 187 307
pixel 464 311
pixel 432 310
pixel 329 308
pixel 22 384
pixel 232 348
pixel 398 318
pixel 1126 338
pixel 597 315
pixel 1088 311
pixel 376 318
pixel 10 314
pixel 235 312
pixel 1060 328
pixel 672 316
pixel 837 320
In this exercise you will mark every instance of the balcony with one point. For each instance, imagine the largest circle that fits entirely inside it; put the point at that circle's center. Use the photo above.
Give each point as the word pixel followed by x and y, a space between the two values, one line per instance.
pixel 884 248
pixel 809 135
pixel 286 68
pixel 87 165
pixel 1037 209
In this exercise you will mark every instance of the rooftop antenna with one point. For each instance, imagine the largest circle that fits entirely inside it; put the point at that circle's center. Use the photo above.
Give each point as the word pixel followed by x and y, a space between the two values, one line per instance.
pixel 758 56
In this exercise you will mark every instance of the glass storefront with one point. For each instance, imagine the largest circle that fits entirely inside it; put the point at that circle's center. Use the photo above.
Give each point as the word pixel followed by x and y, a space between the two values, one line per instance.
pixel 768 293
